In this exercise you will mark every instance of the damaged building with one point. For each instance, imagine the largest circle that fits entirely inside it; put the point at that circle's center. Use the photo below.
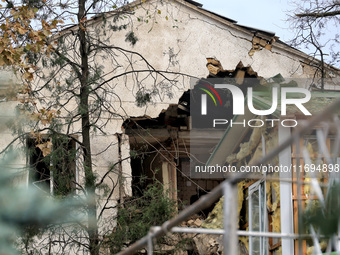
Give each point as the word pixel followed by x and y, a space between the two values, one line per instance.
pixel 268 202
pixel 153 138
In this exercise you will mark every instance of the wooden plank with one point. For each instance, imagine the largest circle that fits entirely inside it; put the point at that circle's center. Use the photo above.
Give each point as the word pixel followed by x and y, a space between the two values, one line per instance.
pixel 246 186
pixel 326 175
pixel 302 192
pixel 297 160
pixel 270 229
pixel 244 227
pixel 303 203
pixel 239 77
pixel 275 246
pixel 304 197
pixel 295 202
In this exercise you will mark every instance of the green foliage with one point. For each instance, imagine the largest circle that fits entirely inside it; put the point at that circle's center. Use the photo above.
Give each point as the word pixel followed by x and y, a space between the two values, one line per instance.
pixel 326 218
pixel 139 214
pixel 144 97
pixel 25 211
pixel 118 28
pixel 63 158
pixel 131 37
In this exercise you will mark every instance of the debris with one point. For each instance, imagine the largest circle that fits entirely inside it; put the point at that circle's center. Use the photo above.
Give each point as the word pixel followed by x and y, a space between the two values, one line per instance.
pixel 198 222
pixel 277 78
pixel 247 147
pixel 279 251
pixel 323 246
pixel 256 40
pixel 263 43
pixel 268 47
pixel 209 244
pixel 213 69
pixel 215 217
pixel 239 73
pixel 240 188
pixel 251 52
pixel 240 76
pixel 250 71
pixel 190 222
pixel 245 241
pixel 215 62
pixel 194 222
pixel 259 43
pixel 214 66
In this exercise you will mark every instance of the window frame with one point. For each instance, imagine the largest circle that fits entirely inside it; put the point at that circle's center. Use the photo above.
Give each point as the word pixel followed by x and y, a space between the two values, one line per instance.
pixel 260 187
pixel 30 141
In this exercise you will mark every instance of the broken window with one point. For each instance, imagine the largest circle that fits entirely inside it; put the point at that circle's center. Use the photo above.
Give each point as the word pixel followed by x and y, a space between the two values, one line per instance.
pixel 162 149
pixel 54 173
pixel 257 217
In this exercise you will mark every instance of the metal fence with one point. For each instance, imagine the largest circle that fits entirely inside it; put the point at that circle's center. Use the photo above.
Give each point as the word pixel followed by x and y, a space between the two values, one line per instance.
pixel 324 122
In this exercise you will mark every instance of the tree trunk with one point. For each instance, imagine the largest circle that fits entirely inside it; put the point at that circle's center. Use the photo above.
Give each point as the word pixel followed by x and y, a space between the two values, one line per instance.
pixel 85 120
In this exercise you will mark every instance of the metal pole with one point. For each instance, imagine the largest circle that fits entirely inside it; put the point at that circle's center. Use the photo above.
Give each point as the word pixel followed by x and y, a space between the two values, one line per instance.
pixel 230 218
pixel 150 245
pixel 241 233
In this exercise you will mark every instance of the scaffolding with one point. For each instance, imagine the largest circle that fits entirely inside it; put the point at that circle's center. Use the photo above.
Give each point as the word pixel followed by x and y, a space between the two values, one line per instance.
pixel 324 123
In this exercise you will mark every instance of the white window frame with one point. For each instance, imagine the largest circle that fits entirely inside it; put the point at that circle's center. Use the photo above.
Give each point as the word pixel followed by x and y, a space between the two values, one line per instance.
pixel 260 187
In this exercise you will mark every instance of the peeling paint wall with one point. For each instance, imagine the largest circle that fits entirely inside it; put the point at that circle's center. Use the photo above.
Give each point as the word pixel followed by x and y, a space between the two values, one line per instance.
pixel 196 36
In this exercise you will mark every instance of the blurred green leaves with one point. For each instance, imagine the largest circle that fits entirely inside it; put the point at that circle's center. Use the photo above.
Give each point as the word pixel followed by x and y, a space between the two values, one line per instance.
pixel 324 219
pixel 26 211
